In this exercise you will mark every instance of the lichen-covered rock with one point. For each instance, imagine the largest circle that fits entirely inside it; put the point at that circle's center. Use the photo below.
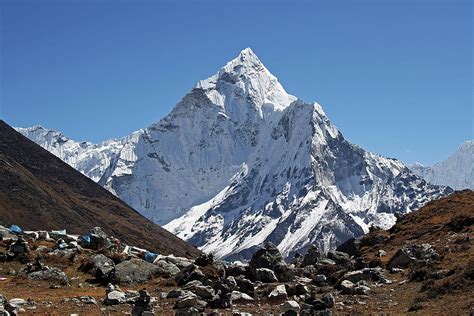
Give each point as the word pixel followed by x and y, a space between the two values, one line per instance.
pixel 166 269
pixel 50 274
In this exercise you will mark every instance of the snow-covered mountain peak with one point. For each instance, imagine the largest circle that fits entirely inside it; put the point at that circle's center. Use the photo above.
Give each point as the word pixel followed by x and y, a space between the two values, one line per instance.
pixel 246 80
pixel 239 162
pixel 468 145
pixel 457 170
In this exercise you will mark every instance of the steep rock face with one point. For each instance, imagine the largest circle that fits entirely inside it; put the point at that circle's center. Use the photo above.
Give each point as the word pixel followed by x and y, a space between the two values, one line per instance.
pixel 457 171
pixel 239 162
pixel 305 184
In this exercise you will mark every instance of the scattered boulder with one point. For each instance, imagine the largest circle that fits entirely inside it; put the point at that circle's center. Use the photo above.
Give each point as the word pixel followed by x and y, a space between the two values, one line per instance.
pixel 180 262
pixel 408 255
pixel 204 292
pixel 115 297
pixel 189 273
pixel 265 275
pixel 312 256
pixel 279 293
pixel 175 293
pixel 347 287
pixel 134 271
pixel 88 300
pixel 270 258
pixel 50 274
pixel 328 300
pixel 362 290
pixel 319 278
pixel 166 269
pixel 98 239
pixel 204 260
pixel 340 258
pixel 267 257
pixel 245 285
pixel 366 274
pixel 290 308
pixel 142 303
pixel 190 301
pixel 99 265
pixel 239 297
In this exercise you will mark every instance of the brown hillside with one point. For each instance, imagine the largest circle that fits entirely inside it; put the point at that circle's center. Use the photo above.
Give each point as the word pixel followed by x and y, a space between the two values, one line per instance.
pixel 41 192
pixel 440 287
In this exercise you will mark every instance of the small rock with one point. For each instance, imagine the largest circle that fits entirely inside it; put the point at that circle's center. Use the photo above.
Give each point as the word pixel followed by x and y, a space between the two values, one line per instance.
pixel 189 273
pixel 290 308
pixel 347 287
pixel 204 260
pixel 265 275
pixel 188 301
pixel 236 297
pixel 279 293
pixel 328 300
pixel 115 297
pixel 175 293
pixel 362 290
pixel 88 300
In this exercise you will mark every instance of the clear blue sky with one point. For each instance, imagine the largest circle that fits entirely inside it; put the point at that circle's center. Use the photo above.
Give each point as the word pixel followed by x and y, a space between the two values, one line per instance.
pixel 394 76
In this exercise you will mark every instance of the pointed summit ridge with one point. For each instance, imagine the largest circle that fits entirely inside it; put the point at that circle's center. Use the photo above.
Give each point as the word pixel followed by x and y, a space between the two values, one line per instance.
pixel 245 76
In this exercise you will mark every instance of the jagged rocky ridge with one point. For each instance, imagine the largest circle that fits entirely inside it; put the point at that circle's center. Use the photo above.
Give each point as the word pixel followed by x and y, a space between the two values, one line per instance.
pixel 239 162
pixel 457 171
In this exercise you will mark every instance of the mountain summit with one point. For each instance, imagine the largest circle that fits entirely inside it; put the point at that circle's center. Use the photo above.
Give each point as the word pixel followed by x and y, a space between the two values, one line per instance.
pixel 239 162
pixel 247 76
pixel 457 171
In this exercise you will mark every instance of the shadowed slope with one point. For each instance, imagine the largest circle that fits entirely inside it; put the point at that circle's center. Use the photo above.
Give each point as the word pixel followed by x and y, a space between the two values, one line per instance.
pixel 40 191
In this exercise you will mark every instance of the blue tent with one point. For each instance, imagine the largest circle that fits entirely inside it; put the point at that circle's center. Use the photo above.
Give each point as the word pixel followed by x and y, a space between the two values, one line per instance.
pixel 86 239
pixel 16 229
pixel 150 256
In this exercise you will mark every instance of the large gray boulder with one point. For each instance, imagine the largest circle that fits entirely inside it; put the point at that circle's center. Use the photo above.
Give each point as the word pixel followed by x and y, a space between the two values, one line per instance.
pixel 50 274
pixel 166 269
pixel 134 271
pixel 189 273
pixel 99 265
pixel 265 275
pixel 270 257
pixel 408 255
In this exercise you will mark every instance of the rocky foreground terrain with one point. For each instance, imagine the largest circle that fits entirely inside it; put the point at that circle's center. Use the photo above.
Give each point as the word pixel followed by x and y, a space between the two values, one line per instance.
pixel 424 264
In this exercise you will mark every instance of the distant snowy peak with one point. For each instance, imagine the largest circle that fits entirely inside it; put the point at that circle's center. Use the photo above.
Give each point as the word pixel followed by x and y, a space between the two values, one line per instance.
pixel 90 159
pixel 457 171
